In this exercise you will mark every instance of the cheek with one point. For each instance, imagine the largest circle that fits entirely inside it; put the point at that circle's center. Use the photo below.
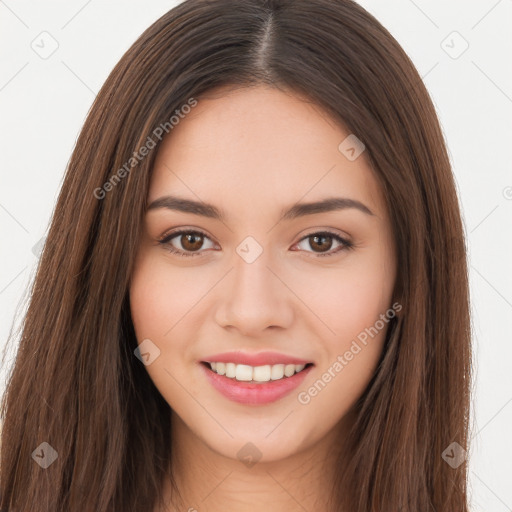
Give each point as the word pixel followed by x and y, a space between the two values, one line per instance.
pixel 150 303
pixel 353 310
pixel 159 297
pixel 352 298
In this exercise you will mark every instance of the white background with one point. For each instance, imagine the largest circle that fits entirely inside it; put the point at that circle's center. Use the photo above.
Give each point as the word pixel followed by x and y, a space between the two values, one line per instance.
pixel 44 103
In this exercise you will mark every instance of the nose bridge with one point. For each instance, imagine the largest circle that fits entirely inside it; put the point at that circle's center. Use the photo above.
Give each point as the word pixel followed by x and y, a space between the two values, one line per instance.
pixel 252 277
pixel 255 298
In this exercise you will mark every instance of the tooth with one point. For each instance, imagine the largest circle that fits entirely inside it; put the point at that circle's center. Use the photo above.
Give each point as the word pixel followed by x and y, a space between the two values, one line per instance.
pixel 262 373
pixel 289 370
pixel 277 372
pixel 243 372
pixel 230 370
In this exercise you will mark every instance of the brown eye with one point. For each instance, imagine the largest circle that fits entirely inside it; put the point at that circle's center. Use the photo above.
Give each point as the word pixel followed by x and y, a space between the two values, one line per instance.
pixel 185 242
pixel 192 241
pixel 321 243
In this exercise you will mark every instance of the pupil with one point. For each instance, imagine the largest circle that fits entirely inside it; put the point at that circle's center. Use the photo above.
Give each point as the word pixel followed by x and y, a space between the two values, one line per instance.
pixel 193 241
pixel 321 245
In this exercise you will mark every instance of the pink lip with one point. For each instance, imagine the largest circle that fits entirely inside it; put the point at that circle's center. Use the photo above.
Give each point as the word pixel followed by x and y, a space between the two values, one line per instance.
pixel 259 359
pixel 254 393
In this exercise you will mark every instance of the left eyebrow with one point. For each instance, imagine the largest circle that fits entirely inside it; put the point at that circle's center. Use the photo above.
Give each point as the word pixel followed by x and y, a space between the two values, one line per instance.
pixel 297 210
pixel 187 206
pixel 326 205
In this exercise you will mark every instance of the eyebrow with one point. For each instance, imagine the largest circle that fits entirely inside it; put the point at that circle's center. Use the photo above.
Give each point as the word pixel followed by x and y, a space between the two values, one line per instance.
pixel 297 210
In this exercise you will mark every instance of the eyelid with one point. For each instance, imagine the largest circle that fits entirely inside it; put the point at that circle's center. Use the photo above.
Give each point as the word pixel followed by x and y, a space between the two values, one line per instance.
pixel 169 235
pixel 346 244
pixel 165 240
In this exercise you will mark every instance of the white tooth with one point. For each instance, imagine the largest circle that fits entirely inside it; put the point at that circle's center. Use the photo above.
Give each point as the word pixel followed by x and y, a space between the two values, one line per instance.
pixel 262 373
pixel 289 370
pixel 277 372
pixel 230 370
pixel 243 372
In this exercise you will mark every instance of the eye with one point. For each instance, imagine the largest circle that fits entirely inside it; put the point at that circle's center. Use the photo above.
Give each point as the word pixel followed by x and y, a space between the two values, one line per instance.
pixel 324 241
pixel 191 241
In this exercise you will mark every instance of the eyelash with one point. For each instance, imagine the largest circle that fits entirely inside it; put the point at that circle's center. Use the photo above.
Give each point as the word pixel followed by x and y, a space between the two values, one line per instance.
pixel 165 241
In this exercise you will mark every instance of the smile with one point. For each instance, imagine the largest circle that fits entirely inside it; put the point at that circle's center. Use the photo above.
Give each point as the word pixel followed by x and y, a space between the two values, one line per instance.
pixel 264 373
pixel 254 385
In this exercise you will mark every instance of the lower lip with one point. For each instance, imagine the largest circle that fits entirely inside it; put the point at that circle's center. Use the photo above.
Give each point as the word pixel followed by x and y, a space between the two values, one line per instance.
pixel 254 393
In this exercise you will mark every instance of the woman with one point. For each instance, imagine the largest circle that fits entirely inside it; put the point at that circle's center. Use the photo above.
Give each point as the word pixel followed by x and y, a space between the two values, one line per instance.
pixel 254 291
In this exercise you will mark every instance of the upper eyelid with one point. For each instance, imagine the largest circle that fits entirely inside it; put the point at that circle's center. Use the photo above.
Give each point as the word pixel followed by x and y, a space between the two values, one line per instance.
pixel 166 238
pixel 171 234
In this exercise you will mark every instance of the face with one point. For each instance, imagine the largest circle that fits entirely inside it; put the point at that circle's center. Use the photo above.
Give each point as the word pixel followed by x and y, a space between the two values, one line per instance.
pixel 292 301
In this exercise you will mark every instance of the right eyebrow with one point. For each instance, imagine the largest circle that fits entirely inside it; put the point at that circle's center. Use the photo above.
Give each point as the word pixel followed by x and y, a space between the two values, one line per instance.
pixel 297 210
pixel 187 206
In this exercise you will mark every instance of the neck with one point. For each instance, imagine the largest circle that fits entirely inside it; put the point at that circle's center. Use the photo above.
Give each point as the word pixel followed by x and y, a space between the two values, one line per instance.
pixel 210 482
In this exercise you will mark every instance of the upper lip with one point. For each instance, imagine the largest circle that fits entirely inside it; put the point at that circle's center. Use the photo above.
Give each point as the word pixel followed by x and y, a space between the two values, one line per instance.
pixel 257 359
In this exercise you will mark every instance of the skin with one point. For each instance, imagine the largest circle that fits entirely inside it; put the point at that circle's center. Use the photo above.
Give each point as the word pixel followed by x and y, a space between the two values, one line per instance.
pixel 252 153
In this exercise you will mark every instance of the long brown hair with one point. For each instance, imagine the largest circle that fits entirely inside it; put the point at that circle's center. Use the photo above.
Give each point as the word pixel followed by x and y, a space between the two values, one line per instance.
pixel 76 383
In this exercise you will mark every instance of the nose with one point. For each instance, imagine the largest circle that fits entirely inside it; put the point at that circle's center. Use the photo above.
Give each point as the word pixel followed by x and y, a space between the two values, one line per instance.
pixel 254 298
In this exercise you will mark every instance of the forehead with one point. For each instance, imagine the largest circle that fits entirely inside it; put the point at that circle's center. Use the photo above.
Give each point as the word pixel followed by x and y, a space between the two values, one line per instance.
pixel 259 146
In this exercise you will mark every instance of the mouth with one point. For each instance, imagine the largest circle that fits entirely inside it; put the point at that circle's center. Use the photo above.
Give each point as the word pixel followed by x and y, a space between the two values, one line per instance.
pixel 255 374
pixel 255 385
